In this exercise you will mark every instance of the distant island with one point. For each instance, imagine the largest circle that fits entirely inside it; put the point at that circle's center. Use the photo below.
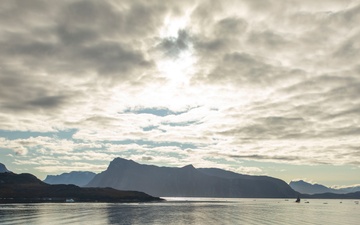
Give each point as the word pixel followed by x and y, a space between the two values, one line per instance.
pixel 78 178
pixel 26 188
pixel 308 188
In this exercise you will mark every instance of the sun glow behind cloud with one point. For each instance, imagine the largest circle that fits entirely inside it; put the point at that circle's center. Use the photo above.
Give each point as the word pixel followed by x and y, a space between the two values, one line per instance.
pixel 173 23
pixel 181 82
pixel 178 71
pixel 179 67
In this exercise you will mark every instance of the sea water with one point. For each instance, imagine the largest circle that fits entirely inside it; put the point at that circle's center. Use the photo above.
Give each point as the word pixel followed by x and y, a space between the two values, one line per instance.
pixel 186 211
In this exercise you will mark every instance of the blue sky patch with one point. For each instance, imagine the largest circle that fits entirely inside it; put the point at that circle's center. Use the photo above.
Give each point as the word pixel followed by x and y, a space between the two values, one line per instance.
pixel 12 135
pixel 155 111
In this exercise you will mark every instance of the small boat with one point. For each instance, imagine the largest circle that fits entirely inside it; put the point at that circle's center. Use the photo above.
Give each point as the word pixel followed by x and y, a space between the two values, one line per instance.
pixel 298 200
pixel 69 200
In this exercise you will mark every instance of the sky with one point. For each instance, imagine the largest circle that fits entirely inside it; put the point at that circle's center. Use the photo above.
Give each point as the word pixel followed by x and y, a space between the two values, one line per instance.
pixel 262 87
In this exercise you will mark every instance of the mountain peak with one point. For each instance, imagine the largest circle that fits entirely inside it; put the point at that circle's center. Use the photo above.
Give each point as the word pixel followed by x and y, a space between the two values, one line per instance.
pixel 122 160
pixel 121 163
pixel 299 182
pixel 189 167
pixel 3 169
pixel 308 188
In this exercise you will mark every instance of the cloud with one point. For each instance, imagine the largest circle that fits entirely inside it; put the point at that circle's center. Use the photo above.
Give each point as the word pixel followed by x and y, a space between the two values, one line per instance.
pixel 178 82
pixel 57 45
pixel 173 46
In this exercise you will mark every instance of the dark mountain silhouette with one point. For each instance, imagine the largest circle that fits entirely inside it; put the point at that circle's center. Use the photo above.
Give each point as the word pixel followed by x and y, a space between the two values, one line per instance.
pixel 23 188
pixel 307 188
pixel 3 169
pixel 188 181
pixel 78 178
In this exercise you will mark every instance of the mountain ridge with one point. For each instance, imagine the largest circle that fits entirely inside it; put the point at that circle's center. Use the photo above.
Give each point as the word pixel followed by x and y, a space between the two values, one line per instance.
pixel 308 188
pixel 3 169
pixel 78 178
pixel 187 181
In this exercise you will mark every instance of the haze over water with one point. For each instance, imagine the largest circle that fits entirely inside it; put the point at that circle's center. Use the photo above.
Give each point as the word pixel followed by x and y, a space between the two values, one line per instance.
pixel 186 211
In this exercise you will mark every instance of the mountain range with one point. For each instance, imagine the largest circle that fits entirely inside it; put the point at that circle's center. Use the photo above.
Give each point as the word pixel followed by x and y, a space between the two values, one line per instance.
pixel 137 179
pixel 188 181
pixel 352 195
pixel 78 178
pixel 308 188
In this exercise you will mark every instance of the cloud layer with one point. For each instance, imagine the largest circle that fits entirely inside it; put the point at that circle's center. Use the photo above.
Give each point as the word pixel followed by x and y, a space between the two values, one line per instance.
pixel 181 82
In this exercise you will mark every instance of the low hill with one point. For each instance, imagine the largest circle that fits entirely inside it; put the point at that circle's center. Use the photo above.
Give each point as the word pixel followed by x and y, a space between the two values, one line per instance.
pixel 23 188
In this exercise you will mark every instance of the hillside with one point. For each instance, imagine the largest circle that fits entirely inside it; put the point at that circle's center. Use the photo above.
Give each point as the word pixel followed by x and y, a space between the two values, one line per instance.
pixel 22 188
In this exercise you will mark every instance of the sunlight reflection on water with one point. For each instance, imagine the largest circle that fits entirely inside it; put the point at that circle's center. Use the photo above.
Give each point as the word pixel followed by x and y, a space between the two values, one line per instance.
pixel 186 211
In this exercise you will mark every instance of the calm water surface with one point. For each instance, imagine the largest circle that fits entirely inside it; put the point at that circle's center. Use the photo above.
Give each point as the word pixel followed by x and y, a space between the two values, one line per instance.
pixel 186 211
